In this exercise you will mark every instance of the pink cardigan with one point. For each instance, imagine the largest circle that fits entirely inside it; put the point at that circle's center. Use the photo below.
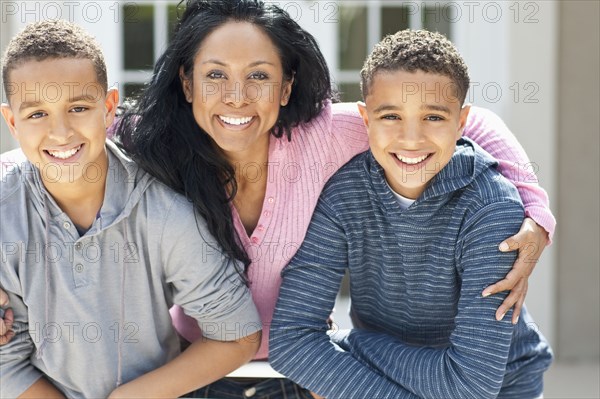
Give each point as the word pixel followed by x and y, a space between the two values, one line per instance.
pixel 297 172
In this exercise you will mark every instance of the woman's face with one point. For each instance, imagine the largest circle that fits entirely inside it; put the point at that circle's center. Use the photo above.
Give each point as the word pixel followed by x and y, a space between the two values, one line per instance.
pixel 236 88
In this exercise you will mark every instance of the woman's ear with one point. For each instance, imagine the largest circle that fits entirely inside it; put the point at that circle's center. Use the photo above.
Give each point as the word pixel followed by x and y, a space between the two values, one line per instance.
pixel 286 91
pixel 186 85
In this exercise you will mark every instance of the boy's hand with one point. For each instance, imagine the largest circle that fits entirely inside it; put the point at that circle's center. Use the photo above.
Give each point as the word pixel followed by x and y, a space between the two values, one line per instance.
pixel 530 241
pixel 6 331
pixel 6 322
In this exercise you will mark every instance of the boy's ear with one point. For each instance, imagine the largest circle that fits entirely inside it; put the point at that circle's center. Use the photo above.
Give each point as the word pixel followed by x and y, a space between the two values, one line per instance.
pixel 186 85
pixel 464 113
pixel 362 109
pixel 9 117
pixel 111 103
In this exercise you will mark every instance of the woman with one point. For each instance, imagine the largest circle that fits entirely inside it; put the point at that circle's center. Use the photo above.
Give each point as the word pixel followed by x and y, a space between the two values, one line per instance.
pixel 238 117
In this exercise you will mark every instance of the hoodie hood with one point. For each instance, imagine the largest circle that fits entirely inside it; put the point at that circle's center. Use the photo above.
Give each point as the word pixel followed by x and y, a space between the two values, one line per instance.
pixel 125 184
pixel 468 162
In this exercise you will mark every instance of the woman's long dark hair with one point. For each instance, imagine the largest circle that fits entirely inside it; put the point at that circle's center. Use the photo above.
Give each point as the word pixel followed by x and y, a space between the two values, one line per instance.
pixel 160 133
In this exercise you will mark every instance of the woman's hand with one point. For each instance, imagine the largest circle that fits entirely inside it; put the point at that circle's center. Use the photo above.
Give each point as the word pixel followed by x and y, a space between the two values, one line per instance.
pixel 530 241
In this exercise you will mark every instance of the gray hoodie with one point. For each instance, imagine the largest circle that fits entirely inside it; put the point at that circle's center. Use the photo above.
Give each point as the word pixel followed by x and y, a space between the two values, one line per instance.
pixel 92 311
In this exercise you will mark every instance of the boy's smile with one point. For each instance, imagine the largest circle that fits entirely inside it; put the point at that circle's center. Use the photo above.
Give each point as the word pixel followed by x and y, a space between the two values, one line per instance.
pixel 414 120
pixel 59 113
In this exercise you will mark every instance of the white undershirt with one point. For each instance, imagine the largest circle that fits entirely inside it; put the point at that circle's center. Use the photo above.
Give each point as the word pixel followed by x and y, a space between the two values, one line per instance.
pixel 403 201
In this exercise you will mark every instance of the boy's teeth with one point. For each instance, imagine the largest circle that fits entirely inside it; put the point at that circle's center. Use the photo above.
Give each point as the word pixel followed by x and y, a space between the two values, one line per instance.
pixel 64 154
pixel 235 121
pixel 411 161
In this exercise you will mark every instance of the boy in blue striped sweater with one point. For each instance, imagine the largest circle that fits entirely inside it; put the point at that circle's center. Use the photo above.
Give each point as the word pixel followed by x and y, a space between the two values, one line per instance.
pixel 416 221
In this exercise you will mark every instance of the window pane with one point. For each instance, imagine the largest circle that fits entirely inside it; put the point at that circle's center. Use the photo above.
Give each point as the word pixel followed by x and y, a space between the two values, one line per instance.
pixel 173 18
pixel 394 19
pixel 352 29
pixel 349 92
pixel 436 19
pixel 138 29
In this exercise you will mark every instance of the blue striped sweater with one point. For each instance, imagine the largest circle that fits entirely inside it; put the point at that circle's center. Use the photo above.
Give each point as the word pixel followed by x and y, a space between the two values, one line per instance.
pixel 422 328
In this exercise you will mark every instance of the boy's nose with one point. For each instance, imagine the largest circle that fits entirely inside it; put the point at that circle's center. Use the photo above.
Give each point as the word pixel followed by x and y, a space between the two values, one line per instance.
pixel 411 133
pixel 61 130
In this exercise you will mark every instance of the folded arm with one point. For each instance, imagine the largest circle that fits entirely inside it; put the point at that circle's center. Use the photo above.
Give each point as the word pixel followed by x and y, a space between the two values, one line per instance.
pixel 299 346
pixel 206 285
pixel 473 364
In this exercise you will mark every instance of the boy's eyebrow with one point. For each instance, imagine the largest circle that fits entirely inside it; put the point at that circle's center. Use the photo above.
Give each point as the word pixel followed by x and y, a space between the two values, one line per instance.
pixel 434 107
pixel 33 104
pixel 83 97
pixel 427 107
pixel 29 104
pixel 386 107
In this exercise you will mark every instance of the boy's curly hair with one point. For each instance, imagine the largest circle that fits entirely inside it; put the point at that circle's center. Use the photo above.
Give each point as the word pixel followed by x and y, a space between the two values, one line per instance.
pixel 414 50
pixel 53 39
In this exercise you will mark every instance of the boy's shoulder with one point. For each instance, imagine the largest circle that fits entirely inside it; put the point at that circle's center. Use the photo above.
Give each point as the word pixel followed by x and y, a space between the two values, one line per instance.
pixel 351 181
pixel 486 185
pixel 13 165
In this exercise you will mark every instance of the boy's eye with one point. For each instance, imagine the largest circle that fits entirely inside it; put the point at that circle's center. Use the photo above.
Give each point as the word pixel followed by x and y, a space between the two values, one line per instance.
pixel 215 75
pixel 78 109
pixel 37 115
pixel 391 117
pixel 434 118
pixel 259 76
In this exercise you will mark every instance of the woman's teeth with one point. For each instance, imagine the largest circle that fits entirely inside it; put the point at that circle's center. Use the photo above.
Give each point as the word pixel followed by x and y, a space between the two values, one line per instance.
pixel 235 121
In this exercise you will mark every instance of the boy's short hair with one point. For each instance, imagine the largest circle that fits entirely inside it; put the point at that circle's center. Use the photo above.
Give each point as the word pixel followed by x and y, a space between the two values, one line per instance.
pixel 414 50
pixel 53 39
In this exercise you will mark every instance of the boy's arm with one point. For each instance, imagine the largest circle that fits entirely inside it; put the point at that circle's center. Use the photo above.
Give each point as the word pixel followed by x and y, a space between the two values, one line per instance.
pixel 474 363
pixel 299 346
pixel 19 378
pixel 203 362
pixel 41 389
pixel 208 288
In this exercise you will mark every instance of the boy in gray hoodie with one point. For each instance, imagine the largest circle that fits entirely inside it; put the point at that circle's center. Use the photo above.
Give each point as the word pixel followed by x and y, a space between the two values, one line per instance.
pixel 95 251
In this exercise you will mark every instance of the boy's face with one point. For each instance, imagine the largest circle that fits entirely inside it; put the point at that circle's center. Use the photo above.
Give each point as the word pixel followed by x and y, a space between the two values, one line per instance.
pixel 414 120
pixel 59 113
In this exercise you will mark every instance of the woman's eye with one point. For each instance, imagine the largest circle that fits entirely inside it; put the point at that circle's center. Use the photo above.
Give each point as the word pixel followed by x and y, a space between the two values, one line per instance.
pixel 216 75
pixel 259 76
